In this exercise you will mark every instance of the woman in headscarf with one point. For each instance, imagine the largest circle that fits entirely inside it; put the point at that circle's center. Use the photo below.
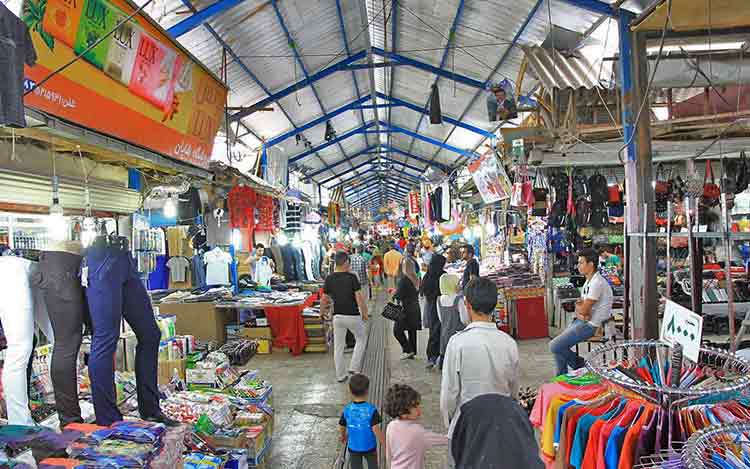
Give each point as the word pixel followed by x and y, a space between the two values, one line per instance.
pixel 406 292
pixel 451 311
pixel 430 289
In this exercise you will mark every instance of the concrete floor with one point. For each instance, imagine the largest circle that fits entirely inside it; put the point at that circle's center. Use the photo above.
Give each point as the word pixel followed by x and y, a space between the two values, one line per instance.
pixel 308 401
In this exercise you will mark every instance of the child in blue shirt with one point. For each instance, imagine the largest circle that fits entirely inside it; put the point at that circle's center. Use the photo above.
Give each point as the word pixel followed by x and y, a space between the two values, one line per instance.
pixel 360 425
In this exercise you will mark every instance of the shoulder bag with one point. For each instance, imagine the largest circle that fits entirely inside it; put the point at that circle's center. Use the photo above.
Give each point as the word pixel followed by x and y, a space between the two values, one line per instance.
pixel 394 310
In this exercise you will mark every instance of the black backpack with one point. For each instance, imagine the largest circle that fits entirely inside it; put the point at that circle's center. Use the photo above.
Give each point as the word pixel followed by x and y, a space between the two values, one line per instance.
pixel 743 177
pixel 597 185
pixel 583 212
pixel 580 184
pixel 599 217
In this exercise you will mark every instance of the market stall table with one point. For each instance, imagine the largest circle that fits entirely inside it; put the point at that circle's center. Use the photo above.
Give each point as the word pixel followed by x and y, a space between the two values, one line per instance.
pixel 286 321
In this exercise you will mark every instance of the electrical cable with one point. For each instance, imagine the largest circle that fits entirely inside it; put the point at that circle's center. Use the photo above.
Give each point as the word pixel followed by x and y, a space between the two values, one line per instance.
pixel 86 51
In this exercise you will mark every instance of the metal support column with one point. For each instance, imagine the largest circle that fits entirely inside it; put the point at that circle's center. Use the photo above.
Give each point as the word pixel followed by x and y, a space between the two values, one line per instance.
pixel 639 177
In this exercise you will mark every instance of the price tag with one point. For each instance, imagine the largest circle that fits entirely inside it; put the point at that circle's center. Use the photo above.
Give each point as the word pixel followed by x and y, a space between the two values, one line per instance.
pixel 684 327
pixel 85 276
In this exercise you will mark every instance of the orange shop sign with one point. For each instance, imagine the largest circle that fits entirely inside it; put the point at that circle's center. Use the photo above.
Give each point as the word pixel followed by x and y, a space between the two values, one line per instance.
pixel 136 85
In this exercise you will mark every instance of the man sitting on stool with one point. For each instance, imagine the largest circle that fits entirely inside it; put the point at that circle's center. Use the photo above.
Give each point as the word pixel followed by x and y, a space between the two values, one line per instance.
pixel 593 310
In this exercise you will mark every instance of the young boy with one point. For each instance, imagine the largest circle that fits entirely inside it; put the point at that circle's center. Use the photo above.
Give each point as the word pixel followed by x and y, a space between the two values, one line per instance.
pixel 360 425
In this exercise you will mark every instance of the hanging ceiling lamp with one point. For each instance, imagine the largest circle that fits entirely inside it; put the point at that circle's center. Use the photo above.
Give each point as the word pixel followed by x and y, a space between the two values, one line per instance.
pixel 436 116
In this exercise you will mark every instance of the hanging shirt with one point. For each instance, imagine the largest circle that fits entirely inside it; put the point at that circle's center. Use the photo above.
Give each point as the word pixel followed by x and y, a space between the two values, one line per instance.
pixel 217 267
pixel 16 49
pixel 178 267
pixel 445 202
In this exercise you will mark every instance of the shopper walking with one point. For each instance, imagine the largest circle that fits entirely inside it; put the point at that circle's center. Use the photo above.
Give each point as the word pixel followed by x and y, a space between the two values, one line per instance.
pixel 426 254
pixel 480 359
pixel 494 432
pixel 349 314
pixel 430 289
pixel 406 293
pixel 360 425
pixel 391 262
pixel 593 311
pixel 406 439
pixel 471 270
pixel 451 312
pixel 359 268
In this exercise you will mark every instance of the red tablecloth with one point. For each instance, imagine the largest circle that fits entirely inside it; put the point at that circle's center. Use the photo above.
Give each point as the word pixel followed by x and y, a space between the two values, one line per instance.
pixel 288 325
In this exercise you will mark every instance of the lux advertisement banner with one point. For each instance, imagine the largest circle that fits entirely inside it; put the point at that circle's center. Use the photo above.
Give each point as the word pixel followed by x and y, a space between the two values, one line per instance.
pixel 136 85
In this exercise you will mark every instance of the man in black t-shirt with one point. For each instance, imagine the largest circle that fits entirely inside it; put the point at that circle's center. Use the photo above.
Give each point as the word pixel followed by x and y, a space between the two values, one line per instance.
pixel 349 314
pixel 472 266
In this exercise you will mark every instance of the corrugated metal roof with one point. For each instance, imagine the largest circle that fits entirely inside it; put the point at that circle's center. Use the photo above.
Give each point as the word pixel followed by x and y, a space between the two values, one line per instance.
pixel 557 71
pixel 481 49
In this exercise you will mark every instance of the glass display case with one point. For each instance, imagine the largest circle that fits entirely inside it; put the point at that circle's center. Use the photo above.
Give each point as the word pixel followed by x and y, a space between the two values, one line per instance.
pixel 24 231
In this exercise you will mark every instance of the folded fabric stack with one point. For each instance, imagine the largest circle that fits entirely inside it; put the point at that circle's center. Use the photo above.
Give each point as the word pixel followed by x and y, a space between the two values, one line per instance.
pixel 130 444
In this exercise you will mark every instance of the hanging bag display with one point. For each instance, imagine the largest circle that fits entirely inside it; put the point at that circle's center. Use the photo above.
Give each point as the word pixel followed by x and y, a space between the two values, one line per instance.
pixel 527 189
pixel 614 196
pixel 711 192
pixel 394 311
pixel 541 192
pixel 742 176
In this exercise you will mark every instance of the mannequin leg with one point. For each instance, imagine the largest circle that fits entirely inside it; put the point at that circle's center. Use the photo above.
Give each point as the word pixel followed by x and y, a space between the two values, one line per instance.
pixel 140 315
pixel 18 325
pixel 105 299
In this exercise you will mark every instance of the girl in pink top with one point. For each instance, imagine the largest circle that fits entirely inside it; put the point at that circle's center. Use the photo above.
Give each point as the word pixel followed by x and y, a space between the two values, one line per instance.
pixel 406 439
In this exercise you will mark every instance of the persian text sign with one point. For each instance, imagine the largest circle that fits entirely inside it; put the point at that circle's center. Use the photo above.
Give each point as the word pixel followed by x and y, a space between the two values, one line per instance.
pixel 487 174
pixel 136 84
pixel 684 327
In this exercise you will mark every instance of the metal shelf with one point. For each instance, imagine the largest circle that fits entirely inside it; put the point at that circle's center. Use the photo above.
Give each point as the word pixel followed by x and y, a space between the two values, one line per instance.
pixel 699 235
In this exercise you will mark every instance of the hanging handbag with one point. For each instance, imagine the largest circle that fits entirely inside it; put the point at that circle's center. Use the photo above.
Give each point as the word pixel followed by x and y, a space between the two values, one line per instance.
pixel 540 195
pixel 662 185
pixel 711 192
pixel 394 311
pixel 614 196
pixel 728 183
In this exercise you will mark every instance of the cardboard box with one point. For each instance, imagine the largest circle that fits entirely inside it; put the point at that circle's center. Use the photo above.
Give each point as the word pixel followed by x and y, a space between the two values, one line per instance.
pixel 254 439
pixel 202 320
pixel 167 367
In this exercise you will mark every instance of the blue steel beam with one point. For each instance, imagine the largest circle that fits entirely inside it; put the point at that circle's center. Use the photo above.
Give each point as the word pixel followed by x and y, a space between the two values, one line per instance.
pixel 371 162
pixel 396 102
pixel 342 66
pixel 414 168
pixel 201 17
pixel 365 188
pixel 427 139
pixel 351 133
pixel 373 194
pixel 451 38
pixel 627 86
pixel 307 81
pixel 595 6
pixel 349 53
pixel 500 63
pixel 366 151
pixel 378 106
pixel 376 176
pixel 392 71
pixel 440 166
pixel 320 120
pixel 377 179
pixel 463 79
pixel 293 46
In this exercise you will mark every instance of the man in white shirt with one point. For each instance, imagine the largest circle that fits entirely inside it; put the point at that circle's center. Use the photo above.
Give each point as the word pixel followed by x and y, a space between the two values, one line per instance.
pixel 593 310
pixel 480 359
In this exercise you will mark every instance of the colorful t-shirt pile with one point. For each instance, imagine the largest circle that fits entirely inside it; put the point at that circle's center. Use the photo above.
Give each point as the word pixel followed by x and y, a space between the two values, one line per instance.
pixel 129 444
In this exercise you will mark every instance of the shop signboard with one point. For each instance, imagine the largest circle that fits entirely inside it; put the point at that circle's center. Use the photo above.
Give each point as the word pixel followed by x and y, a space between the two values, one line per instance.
pixel 684 327
pixel 413 203
pixel 487 175
pixel 137 84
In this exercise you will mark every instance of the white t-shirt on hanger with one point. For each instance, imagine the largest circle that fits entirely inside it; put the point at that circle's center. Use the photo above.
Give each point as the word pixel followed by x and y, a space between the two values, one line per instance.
pixel 178 266
pixel 217 267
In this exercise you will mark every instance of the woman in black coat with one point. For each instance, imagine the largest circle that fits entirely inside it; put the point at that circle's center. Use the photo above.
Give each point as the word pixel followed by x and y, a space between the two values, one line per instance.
pixel 407 293
pixel 431 290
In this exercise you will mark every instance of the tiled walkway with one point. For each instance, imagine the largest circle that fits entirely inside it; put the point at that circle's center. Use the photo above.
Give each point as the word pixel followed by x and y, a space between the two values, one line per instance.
pixel 308 401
